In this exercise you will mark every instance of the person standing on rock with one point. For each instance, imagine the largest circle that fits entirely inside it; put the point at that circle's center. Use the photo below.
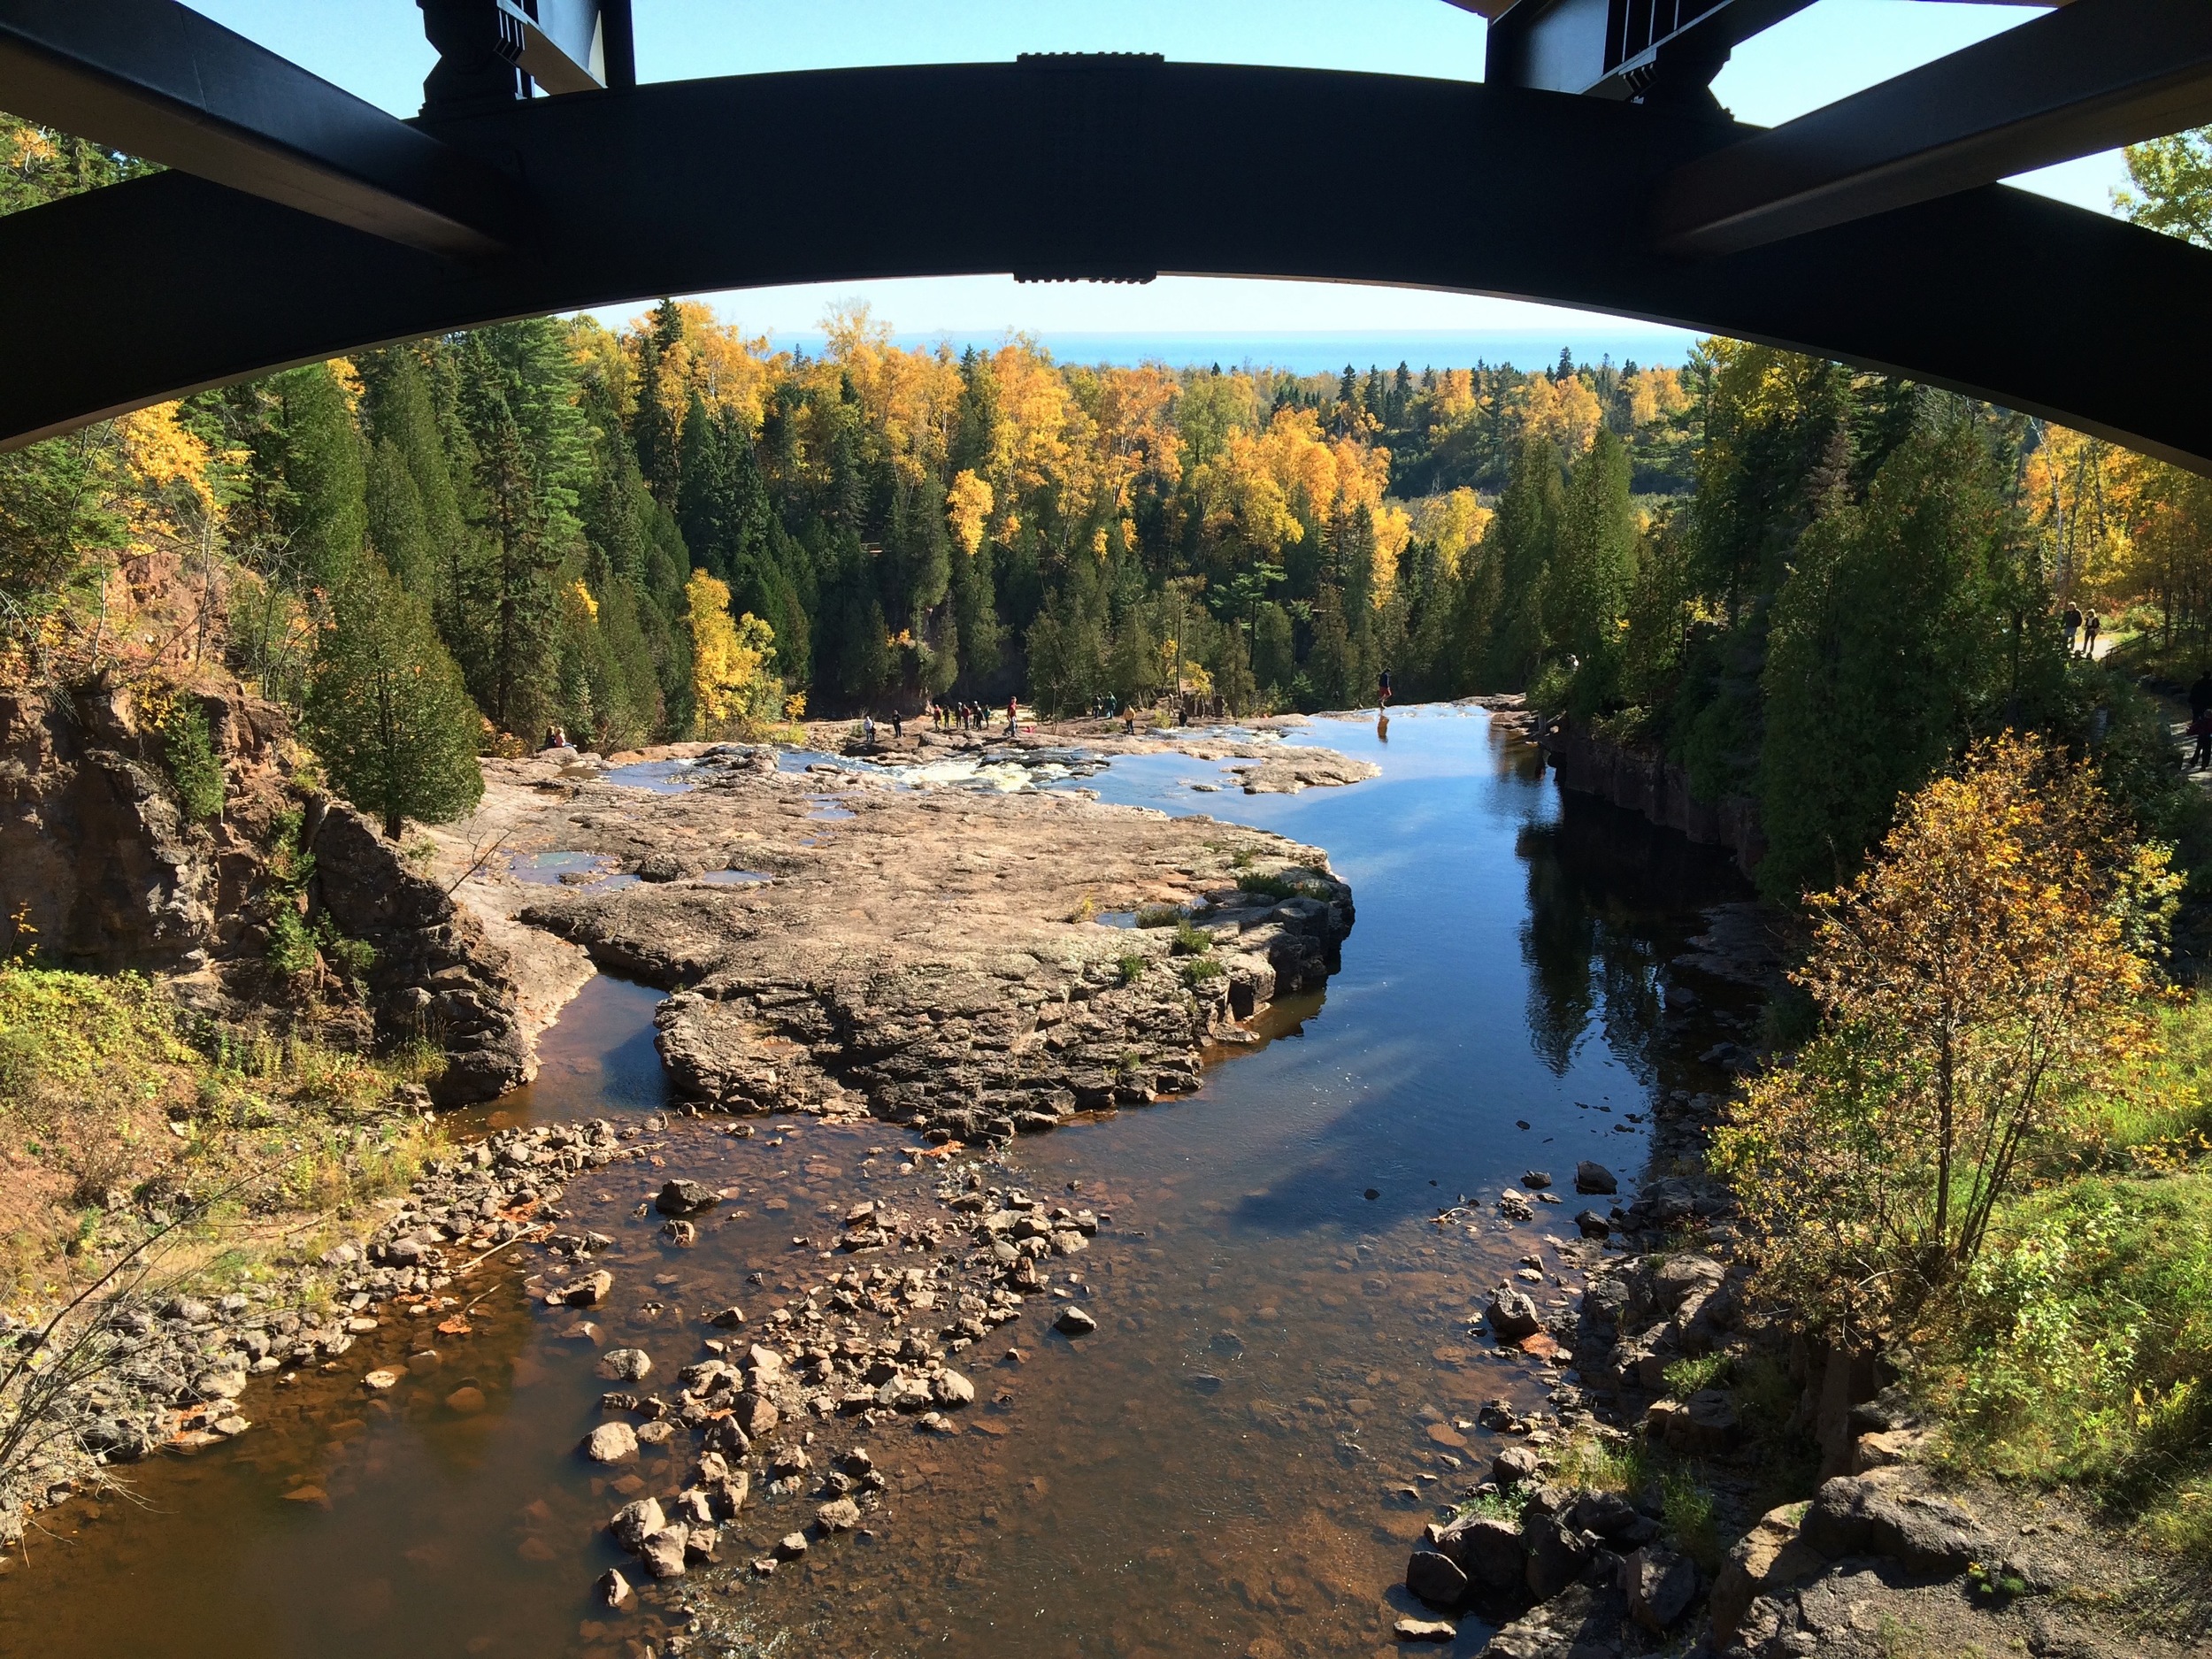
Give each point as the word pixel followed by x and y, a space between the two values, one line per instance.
pixel 898 725
pixel 1013 715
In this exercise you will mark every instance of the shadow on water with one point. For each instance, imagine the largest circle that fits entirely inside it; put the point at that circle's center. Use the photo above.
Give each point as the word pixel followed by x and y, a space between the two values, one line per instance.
pixel 1218 1470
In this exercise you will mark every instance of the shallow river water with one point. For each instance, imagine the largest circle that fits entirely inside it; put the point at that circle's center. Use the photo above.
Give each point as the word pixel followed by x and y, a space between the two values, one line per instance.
pixel 1285 1342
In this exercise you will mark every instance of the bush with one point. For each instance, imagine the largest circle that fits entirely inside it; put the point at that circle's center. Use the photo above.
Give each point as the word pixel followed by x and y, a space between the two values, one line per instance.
pixel 1133 967
pixel 1192 941
pixel 1687 1377
pixel 1268 887
pixel 1990 964
pixel 1198 969
pixel 194 770
pixel 1159 915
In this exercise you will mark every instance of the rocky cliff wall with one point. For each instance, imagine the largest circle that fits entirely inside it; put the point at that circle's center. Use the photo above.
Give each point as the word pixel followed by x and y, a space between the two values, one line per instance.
pixel 101 869
pixel 1645 781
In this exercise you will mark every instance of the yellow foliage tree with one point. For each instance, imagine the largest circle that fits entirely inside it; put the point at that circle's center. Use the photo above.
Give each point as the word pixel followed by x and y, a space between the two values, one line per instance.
pixel 733 662
pixel 1997 956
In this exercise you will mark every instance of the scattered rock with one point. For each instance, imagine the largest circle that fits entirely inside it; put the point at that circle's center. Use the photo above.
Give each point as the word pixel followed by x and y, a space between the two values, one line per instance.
pixel 685 1198
pixel 1595 1177
pixel 839 1514
pixel 1512 1315
pixel 590 1291
pixel 1436 1578
pixel 610 1443
pixel 1536 1180
pixel 1074 1322
pixel 663 1552
pixel 624 1364
pixel 635 1522
pixel 611 1589
pixel 1424 1630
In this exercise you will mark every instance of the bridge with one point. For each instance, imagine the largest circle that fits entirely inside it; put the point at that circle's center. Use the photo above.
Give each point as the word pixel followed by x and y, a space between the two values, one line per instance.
pixel 1593 169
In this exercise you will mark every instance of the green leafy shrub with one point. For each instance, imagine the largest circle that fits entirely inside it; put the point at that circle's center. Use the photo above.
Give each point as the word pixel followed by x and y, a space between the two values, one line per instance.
pixel 189 749
pixel 1133 967
pixel 1687 1377
pixel 1159 915
pixel 1268 887
pixel 1198 969
pixel 1192 941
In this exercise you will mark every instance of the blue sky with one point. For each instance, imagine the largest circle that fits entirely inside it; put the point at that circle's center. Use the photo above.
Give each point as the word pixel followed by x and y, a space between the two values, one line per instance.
pixel 375 48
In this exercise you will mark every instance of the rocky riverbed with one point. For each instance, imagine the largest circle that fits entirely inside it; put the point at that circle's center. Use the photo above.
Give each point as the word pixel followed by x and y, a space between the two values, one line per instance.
pixel 839 946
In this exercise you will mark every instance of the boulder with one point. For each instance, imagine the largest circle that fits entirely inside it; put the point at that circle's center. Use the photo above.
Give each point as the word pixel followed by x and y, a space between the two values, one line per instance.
pixel 839 1514
pixel 610 1443
pixel 1514 1465
pixel 624 1364
pixel 1436 1578
pixel 1557 1555
pixel 635 1522
pixel 755 1416
pixel 685 1198
pixel 1933 1536
pixel 611 1589
pixel 1764 1560
pixel 1582 1622
pixel 1595 1177
pixel 1487 1549
pixel 1708 1424
pixel 1074 1322
pixel 951 1389
pixel 1537 1180
pixel 590 1291
pixel 1591 1224
pixel 663 1552
pixel 1660 1586
pixel 1512 1315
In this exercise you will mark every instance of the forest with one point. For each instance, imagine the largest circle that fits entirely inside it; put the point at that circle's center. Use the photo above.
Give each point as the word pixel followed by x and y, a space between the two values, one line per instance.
pixel 1805 584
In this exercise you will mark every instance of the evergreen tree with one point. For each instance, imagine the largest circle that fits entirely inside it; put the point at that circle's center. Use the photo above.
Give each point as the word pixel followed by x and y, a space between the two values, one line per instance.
pixel 324 509
pixel 396 521
pixel 385 708
pixel 1593 569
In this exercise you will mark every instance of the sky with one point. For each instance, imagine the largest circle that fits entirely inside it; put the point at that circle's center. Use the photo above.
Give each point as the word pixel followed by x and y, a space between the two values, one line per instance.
pixel 375 50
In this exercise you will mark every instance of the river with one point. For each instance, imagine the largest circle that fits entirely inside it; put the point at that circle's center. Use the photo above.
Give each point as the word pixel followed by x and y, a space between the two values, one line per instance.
pixel 1279 1393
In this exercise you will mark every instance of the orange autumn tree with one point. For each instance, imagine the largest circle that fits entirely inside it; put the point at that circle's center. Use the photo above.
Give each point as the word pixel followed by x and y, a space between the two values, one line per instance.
pixel 1999 955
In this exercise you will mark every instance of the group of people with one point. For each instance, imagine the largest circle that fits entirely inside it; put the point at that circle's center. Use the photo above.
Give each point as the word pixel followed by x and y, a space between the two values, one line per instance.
pixel 557 737
pixel 2074 623
pixel 972 717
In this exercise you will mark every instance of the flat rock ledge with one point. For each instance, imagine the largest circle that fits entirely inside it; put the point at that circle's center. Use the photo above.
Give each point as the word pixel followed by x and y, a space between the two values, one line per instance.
pixel 943 959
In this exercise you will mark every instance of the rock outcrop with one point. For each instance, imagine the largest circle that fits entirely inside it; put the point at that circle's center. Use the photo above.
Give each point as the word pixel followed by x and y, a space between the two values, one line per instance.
pixel 1645 781
pixel 939 958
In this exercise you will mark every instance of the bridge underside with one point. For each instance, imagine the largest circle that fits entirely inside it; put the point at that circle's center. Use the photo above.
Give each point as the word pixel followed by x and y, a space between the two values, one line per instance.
pixel 1114 169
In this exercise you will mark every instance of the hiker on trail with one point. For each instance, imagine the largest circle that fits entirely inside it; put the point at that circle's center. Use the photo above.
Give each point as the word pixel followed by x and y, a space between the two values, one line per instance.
pixel 2200 728
pixel 2089 635
pixel 2071 623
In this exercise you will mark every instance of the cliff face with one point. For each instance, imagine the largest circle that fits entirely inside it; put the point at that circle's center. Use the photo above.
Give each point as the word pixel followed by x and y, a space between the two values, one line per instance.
pixel 102 870
pixel 1645 781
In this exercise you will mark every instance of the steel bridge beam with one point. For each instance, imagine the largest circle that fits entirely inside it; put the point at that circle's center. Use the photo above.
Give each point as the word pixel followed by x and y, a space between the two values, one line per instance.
pixel 160 82
pixel 1105 169
pixel 2099 75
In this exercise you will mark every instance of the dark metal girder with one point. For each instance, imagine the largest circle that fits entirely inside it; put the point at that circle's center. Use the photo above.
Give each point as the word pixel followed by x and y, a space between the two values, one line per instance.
pixel 2097 74
pixel 146 290
pixel 159 80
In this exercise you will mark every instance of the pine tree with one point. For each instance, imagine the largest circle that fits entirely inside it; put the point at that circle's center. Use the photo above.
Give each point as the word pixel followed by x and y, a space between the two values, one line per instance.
pixel 325 509
pixel 385 708
pixel 1594 567
pixel 396 528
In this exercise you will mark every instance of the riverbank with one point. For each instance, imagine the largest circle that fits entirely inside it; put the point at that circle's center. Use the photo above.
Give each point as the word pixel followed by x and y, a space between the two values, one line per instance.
pixel 815 984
